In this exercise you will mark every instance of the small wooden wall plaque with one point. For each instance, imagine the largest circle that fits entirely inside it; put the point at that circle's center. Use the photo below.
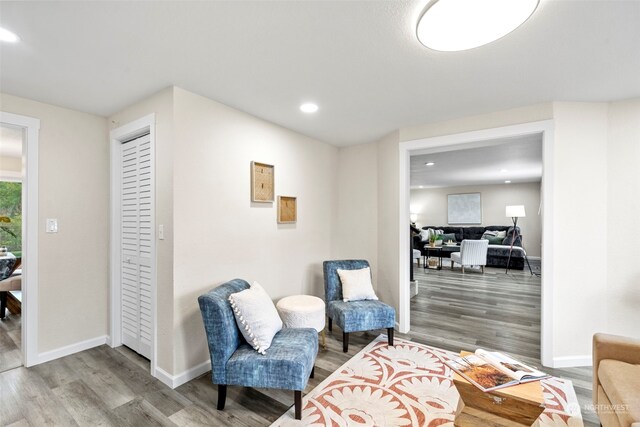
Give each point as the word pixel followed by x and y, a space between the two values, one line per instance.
pixel 262 182
pixel 287 210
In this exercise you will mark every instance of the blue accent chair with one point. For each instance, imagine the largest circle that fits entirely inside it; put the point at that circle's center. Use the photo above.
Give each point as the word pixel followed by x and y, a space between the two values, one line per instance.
pixel 354 316
pixel 288 363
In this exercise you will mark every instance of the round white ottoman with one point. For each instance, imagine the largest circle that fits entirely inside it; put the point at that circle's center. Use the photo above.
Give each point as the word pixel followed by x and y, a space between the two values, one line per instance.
pixel 303 311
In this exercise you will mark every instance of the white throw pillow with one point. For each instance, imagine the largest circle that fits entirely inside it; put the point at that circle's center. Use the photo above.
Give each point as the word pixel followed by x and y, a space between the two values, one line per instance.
pixel 356 284
pixel 501 234
pixel 256 316
pixel 424 235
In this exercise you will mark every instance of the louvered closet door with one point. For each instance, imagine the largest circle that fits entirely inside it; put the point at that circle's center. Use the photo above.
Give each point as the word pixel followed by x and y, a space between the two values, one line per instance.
pixel 136 235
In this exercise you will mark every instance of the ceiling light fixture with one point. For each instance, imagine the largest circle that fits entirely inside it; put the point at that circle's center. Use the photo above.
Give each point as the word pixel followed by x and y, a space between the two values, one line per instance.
pixel 454 25
pixel 429 164
pixel 309 107
pixel 507 182
pixel 8 36
pixel 503 170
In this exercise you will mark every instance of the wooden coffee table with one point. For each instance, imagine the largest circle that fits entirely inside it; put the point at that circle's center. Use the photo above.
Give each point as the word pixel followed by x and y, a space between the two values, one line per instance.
pixel 519 405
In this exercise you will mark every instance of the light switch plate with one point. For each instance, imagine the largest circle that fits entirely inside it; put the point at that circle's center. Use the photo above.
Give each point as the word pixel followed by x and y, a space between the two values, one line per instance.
pixel 161 232
pixel 52 225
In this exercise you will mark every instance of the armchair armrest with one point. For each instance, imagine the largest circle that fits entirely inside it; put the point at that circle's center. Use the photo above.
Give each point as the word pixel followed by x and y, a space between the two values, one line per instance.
pixel 606 346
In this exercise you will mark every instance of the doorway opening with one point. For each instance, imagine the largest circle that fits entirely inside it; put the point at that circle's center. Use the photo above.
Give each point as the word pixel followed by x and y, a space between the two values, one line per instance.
pixel 11 143
pixel 19 235
pixel 473 140
pixel 478 274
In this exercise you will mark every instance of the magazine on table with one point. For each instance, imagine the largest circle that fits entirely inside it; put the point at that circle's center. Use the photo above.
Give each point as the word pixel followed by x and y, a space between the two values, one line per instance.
pixel 492 370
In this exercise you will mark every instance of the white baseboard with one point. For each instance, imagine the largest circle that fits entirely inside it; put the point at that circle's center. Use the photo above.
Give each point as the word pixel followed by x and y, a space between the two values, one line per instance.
pixel 174 381
pixel 572 361
pixel 70 349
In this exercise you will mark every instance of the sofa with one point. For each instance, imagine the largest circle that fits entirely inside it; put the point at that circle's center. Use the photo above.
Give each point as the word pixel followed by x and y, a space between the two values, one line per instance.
pixel 497 255
pixel 616 380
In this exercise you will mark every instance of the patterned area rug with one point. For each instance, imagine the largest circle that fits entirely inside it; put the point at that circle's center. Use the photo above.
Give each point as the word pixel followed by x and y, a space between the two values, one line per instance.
pixel 407 385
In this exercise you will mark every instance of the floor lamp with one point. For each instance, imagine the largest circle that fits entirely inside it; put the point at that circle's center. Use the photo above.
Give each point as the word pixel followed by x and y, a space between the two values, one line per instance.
pixel 515 212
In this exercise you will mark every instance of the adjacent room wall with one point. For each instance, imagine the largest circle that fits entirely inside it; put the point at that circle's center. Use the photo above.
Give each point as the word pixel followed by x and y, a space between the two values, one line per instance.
pixel 10 165
pixel 219 234
pixel 623 211
pixel 74 188
pixel 431 206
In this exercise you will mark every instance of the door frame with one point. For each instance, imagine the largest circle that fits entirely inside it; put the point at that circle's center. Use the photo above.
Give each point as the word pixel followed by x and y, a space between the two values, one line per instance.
pixel 469 140
pixel 117 137
pixel 30 231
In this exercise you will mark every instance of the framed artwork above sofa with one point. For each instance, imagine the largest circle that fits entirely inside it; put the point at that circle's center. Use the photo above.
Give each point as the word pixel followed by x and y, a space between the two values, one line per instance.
pixel 464 208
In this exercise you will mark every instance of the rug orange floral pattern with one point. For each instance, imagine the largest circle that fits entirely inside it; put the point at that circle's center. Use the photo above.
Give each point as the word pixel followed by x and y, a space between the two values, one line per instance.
pixel 407 385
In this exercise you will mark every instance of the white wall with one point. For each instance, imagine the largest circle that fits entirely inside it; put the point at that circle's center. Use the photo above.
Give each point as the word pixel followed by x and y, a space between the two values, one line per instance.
pixel 388 220
pixel 431 206
pixel 219 234
pixel 623 211
pixel 355 235
pixel 579 201
pixel 74 188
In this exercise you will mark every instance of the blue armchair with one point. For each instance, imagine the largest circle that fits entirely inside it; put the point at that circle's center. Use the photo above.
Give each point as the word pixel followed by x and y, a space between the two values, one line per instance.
pixel 354 316
pixel 288 363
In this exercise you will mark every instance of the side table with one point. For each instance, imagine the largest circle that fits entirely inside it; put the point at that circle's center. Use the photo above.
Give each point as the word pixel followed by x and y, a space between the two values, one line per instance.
pixel 303 311
pixel 515 406
pixel 438 250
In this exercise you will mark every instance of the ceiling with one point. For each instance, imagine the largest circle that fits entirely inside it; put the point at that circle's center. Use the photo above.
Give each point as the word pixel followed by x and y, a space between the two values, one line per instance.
pixel 359 60
pixel 517 159
pixel 10 141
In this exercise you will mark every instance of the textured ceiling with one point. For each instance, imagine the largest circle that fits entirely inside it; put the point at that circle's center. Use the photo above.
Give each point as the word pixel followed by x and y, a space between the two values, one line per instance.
pixel 359 60
pixel 517 159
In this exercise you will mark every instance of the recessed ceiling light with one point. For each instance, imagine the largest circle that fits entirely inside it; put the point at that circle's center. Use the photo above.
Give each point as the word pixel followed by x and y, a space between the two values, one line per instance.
pixel 8 36
pixel 453 25
pixel 420 186
pixel 309 107
pixel 507 182
pixel 429 164
pixel 503 170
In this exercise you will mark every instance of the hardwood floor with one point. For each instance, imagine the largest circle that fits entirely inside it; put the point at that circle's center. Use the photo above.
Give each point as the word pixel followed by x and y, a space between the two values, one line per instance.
pixel 496 311
pixel 105 386
pixel 10 342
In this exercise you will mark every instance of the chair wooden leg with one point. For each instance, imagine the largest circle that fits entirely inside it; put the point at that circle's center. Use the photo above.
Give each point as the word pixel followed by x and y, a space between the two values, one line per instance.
pixel 390 336
pixel 482 267
pixel 222 396
pixel 345 342
pixel 313 372
pixel 463 269
pixel 330 324
pixel 298 403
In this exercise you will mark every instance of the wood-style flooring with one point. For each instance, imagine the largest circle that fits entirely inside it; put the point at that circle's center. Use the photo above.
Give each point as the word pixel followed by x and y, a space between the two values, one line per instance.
pixel 10 342
pixel 105 386
pixel 495 311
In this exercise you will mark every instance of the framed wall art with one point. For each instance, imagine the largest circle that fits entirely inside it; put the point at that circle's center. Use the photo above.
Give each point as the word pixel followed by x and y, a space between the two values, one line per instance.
pixel 287 210
pixel 262 182
pixel 464 208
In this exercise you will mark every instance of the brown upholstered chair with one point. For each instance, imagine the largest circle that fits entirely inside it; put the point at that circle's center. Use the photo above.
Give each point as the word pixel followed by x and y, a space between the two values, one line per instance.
pixel 616 380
